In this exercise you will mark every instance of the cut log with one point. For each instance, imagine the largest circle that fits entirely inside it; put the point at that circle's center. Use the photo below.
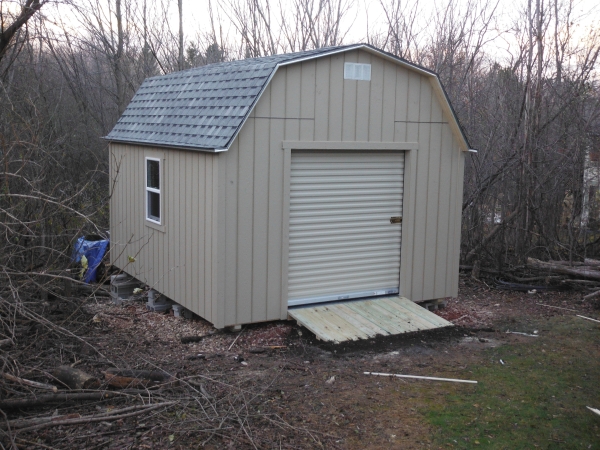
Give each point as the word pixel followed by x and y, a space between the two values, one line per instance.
pixel 137 378
pixel 75 378
pixel 591 262
pixel 576 272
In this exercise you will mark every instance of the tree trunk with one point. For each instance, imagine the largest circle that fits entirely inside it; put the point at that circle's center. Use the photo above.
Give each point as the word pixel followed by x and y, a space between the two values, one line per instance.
pixel 558 268
pixel 180 6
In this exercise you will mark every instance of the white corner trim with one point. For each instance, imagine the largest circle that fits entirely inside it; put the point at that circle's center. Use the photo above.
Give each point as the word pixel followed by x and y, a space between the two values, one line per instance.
pixel 339 145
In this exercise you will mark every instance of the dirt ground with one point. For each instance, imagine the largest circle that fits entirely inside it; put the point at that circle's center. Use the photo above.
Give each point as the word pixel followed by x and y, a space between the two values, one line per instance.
pixel 272 385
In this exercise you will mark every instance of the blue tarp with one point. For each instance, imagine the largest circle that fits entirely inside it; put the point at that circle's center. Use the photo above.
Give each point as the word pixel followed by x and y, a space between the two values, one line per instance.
pixel 94 248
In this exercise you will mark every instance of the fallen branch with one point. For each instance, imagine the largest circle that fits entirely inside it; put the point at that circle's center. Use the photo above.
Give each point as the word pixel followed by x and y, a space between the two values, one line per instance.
pixel 44 422
pixel 61 397
pixel 33 384
pixel 202 389
pixel 137 378
pixel 417 377
pixel 587 318
pixel 579 272
pixel 592 295
pixel 569 263
pixel 587 282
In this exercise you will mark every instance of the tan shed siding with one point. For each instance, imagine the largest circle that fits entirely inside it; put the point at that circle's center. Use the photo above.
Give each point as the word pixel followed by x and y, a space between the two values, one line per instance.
pixel 178 258
pixel 310 101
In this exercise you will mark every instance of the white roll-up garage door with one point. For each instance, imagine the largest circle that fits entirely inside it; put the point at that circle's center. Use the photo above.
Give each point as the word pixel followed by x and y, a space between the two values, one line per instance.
pixel 343 243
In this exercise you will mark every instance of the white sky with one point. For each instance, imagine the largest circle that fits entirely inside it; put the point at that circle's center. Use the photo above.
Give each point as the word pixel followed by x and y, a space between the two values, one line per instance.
pixel 368 15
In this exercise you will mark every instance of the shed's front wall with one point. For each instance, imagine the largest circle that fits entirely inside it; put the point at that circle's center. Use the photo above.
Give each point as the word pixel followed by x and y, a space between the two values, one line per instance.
pixel 311 101
pixel 179 257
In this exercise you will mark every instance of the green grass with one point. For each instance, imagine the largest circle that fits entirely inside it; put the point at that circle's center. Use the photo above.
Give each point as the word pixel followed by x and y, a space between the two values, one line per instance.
pixel 537 399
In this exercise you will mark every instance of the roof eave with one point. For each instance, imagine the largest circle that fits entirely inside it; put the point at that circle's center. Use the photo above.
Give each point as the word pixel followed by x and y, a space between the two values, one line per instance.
pixel 162 145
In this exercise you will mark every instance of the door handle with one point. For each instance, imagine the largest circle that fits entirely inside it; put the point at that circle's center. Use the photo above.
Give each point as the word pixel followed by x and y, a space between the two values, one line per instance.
pixel 396 219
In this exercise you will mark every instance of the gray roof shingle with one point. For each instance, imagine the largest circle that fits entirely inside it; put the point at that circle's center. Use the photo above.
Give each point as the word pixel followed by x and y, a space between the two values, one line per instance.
pixel 200 108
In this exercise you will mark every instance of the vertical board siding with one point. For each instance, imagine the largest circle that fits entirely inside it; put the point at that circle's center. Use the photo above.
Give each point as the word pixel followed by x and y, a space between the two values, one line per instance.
pixel 172 258
pixel 310 101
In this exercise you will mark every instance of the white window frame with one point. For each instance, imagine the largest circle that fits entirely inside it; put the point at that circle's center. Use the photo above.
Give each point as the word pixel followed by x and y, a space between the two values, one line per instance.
pixel 357 71
pixel 156 191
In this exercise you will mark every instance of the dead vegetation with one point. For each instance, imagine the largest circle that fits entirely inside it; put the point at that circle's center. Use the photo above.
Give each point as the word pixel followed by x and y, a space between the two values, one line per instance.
pixel 270 385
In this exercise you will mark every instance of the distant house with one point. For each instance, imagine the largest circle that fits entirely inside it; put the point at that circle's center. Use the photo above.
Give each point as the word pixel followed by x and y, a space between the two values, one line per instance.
pixel 590 211
pixel 245 187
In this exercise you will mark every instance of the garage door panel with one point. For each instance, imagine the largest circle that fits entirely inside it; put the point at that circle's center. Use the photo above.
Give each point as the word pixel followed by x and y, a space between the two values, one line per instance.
pixel 316 242
pixel 342 243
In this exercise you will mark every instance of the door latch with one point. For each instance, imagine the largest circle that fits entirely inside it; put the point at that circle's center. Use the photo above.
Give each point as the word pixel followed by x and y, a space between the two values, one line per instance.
pixel 397 219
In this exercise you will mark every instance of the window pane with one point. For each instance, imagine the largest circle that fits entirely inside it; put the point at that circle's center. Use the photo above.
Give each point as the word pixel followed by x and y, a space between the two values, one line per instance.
pixel 154 206
pixel 153 168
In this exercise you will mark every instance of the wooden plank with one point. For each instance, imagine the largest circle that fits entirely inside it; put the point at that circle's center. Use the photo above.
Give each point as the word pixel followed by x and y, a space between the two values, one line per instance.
pixel 384 320
pixel 319 324
pixel 389 102
pixel 367 324
pixel 420 311
pixel 275 215
pixel 307 100
pixel 244 224
pixel 410 317
pixel 363 95
pixel 321 112
pixel 376 99
pixel 348 109
pixel 320 320
pixel 231 227
pixel 363 319
pixel 399 318
pixel 336 96
pixel 259 212
pixel 347 328
pixel 444 213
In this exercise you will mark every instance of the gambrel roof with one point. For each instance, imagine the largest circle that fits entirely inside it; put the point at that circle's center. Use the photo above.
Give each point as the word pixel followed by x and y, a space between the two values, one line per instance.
pixel 205 107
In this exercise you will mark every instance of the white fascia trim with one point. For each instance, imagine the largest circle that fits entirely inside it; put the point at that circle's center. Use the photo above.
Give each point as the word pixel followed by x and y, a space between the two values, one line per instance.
pixel 348 145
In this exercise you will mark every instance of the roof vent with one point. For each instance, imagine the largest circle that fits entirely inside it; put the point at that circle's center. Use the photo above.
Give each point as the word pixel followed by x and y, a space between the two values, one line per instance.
pixel 354 71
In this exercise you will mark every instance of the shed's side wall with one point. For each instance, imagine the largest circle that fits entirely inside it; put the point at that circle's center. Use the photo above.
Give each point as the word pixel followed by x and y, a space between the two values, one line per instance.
pixel 178 259
pixel 311 101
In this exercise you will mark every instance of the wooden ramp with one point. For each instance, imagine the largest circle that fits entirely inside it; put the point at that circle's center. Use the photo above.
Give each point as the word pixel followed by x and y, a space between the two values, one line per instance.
pixel 363 319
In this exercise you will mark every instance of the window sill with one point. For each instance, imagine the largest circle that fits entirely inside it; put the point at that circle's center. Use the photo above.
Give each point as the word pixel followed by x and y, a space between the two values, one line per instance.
pixel 156 226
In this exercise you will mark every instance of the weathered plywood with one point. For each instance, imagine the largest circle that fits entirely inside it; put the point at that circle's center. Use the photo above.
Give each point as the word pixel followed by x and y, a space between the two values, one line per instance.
pixel 364 319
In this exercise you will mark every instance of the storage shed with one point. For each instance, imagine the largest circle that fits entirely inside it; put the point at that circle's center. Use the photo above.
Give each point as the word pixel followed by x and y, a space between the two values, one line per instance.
pixel 242 188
